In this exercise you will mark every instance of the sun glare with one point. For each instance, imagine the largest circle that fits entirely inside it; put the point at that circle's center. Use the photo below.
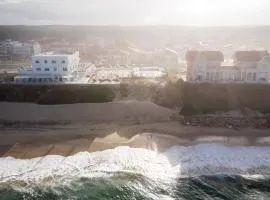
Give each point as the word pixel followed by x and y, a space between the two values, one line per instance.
pixel 200 8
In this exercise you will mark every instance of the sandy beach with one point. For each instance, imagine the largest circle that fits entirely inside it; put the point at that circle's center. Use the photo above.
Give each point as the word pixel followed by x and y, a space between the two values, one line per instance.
pixel 30 130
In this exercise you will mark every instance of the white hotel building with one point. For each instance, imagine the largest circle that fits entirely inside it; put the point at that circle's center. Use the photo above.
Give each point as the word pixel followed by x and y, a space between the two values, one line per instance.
pixel 247 67
pixel 51 67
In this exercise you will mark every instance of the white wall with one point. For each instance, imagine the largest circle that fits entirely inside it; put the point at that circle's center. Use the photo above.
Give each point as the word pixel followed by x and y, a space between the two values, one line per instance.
pixel 263 72
pixel 55 64
pixel 245 64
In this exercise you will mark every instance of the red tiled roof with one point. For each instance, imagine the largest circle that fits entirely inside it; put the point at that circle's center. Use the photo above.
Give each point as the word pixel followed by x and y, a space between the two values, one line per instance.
pixel 209 55
pixel 213 55
pixel 250 56
pixel 191 55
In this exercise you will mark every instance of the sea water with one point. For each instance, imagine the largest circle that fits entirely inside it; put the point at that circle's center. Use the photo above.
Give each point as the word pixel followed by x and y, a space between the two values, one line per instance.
pixel 203 171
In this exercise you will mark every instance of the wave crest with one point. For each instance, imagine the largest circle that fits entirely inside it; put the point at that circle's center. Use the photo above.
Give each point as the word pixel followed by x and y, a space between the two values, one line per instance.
pixel 202 159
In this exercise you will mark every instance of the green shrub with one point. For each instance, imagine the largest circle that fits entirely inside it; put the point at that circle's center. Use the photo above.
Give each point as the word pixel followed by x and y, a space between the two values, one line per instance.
pixel 60 94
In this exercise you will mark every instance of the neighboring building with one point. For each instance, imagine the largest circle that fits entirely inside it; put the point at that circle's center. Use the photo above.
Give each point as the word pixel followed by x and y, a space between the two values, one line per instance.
pixel 105 74
pixel 10 49
pixel 22 50
pixel 117 58
pixel 6 47
pixel 51 67
pixel 201 62
pixel 253 65
pixel 149 72
pixel 248 58
pixel 113 73
pixel 248 66
pixel 163 57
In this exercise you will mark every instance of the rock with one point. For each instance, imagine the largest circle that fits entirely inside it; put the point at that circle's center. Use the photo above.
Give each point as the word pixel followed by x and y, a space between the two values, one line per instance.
pixel 228 122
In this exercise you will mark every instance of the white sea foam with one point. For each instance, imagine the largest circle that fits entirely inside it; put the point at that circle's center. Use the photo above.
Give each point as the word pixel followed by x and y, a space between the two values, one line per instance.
pixel 200 159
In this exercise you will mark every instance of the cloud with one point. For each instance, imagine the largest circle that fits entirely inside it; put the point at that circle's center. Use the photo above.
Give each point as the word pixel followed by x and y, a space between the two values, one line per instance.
pixel 9 1
pixel 134 12
pixel 73 12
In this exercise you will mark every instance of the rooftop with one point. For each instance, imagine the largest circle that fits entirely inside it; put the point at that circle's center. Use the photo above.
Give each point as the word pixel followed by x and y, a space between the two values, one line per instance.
pixel 56 53
pixel 250 56
pixel 208 55
pixel 191 55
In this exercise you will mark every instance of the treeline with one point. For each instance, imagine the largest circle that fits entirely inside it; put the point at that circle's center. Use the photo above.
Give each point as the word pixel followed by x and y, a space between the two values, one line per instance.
pixel 211 98
pixel 76 33
pixel 58 94
pixel 190 98
pixel 25 33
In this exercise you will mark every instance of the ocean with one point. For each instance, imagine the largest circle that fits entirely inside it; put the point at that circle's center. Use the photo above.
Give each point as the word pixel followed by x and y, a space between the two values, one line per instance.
pixel 202 171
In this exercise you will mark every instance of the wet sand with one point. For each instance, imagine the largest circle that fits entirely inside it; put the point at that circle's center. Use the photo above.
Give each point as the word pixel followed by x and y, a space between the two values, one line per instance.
pixel 28 142
pixel 96 127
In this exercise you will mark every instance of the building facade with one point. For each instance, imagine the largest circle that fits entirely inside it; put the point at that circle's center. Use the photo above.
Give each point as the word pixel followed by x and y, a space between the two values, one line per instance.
pixel 201 62
pixel 51 67
pixel 6 47
pixel 10 49
pixel 253 66
pixel 117 58
pixel 22 50
pixel 56 64
pixel 247 67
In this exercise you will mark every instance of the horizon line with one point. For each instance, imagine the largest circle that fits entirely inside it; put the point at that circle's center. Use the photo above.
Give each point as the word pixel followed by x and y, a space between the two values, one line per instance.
pixel 134 26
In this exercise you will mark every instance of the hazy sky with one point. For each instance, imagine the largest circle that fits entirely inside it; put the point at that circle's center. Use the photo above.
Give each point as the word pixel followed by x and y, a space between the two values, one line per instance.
pixel 136 12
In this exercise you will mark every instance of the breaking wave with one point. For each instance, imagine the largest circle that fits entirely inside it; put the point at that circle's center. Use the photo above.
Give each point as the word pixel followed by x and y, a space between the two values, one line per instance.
pixel 204 171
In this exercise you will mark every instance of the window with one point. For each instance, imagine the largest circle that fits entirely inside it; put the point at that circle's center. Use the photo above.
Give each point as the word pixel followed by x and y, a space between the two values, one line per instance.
pixel 64 69
pixel 244 76
pixel 217 76
pixel 249 76
pixel 45 61
pixel 207 75
pixel 47 69
pixel 55 69
pixel 230 76
pixel 38 69
pixel 53 61
pixel 254 77
pixel 212 76
pixel 221 76
pixel 63 61
pixel 199 77
pixel 238 75
pixel 37 61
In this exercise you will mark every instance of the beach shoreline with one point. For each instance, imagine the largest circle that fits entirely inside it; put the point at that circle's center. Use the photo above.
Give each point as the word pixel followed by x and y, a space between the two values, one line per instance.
pixel 31 130
pixel 26 142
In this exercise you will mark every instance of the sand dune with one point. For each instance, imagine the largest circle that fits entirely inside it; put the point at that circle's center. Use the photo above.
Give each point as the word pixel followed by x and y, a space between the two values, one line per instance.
pixel 105 112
